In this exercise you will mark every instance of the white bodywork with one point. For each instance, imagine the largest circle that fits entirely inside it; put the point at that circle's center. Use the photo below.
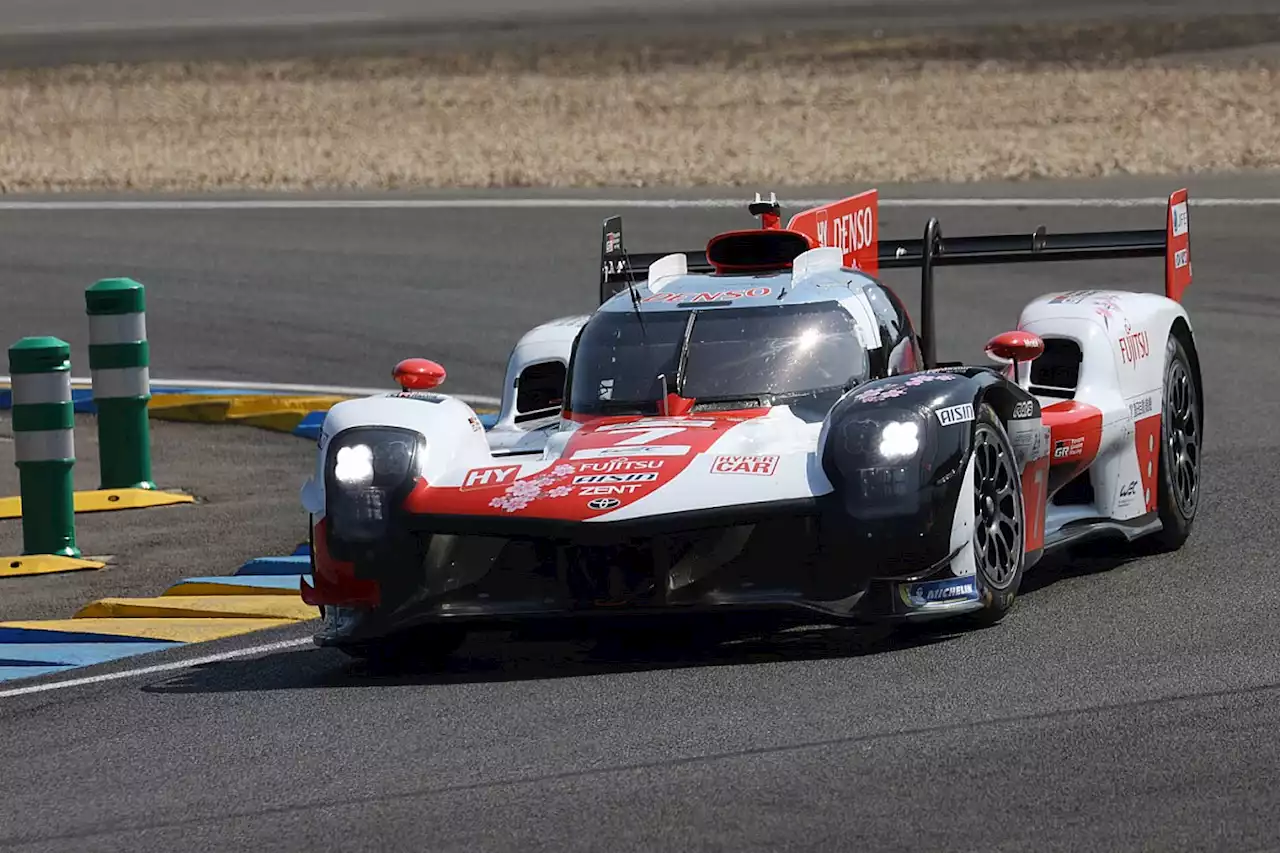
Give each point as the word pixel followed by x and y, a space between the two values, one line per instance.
pixel 1120 373
pixel 548 343
pixel 544 445
pixel 1122 338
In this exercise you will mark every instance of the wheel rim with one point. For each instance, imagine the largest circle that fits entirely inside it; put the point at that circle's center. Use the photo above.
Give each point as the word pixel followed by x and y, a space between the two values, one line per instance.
pixel 997 534
pixel 1182 437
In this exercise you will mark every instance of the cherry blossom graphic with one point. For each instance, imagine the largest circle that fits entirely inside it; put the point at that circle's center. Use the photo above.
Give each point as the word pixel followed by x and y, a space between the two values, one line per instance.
pixel 922 378
pixel 875 395
pixel 521 493
pixel 897 389
pixel 1106 307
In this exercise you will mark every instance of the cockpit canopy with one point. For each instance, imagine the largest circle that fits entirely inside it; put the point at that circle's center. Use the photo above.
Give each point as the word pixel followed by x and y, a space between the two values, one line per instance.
pixel 626 363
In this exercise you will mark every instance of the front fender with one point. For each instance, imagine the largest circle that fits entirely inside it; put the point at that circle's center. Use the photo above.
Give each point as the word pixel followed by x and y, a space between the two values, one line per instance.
pixel 453 434
pixel 896 452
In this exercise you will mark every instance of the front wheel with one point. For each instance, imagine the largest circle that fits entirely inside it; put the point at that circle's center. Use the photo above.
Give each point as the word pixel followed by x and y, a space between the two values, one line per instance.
pixel 999 517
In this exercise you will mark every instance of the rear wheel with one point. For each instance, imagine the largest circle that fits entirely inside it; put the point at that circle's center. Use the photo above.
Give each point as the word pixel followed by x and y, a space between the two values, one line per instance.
pixel 1181 436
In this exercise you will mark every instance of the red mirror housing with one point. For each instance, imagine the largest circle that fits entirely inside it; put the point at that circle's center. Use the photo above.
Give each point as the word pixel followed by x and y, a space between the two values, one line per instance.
pixel 418 374
pixel 1015 346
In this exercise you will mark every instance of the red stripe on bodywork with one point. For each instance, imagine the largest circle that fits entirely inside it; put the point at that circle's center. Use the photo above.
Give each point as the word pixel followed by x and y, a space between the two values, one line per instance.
pixel 1035 499
pixel 1146 438
pixel 621 461
pixel 1075 433
pixel 336 583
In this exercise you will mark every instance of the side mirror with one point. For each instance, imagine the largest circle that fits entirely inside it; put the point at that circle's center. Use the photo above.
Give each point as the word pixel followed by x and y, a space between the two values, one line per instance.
pixel 1017 349
pixel 418 374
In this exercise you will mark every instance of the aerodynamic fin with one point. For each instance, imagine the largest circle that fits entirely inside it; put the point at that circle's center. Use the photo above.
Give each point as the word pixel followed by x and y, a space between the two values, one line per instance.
pixel 1177 271
pixel 851 223
pixel 613 259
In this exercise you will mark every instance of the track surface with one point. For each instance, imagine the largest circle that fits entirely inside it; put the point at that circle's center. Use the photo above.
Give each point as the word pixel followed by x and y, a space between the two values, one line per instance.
pixel 1121 706
pixel 47 31
pixel 104 15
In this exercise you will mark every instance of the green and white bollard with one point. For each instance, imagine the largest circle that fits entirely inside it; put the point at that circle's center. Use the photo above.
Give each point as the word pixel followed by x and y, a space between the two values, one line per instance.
pixel 119 360
pixel 44 444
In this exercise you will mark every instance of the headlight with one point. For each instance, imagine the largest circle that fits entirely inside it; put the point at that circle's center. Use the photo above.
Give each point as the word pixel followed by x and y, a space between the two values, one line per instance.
pixel 353 466
pixel 369 470
pixel 899 439
pixel 392 458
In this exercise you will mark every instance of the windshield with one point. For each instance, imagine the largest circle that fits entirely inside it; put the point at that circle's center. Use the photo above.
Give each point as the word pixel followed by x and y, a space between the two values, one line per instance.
pixel 733 354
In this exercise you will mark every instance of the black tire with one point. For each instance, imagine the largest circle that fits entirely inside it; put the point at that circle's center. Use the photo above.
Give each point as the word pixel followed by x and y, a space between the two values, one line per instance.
pixel 1181 438
pixel 999 520
pixel 418 648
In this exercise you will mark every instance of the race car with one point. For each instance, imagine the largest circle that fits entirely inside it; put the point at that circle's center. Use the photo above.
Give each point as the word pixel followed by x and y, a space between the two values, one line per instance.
pixel 757 430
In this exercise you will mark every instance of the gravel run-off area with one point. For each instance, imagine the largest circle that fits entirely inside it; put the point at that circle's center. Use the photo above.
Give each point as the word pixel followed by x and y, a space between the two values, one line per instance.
pixel 780 112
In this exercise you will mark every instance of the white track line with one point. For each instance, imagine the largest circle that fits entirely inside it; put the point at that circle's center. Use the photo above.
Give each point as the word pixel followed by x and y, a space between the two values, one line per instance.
pixel 280 388
pixel 158 668
pixel 592 203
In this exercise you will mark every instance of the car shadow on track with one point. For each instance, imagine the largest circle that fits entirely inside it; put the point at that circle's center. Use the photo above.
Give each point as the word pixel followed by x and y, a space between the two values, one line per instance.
pixel 488 658
pixel 1081 561
pixel 496 659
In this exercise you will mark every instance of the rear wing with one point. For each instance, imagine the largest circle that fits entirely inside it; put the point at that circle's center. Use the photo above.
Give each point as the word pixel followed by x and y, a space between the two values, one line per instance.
pixel 853 225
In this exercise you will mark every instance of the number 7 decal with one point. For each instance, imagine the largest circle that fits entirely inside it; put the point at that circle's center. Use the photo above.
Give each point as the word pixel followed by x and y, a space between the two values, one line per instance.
pixel 646 435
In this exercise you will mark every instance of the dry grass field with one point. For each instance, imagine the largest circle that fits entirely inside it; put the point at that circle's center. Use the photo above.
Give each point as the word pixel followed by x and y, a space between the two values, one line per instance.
pixel 775 112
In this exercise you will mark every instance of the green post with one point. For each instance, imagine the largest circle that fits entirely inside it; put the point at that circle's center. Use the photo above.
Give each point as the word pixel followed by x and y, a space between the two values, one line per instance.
pixel 44 444
pixel 119 360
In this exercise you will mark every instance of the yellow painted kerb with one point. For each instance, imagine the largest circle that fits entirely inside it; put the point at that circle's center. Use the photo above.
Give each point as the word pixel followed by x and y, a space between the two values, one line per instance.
pixel 281 413
pixel 206 606
pixel 223 589
pixel 106 500
pixel 43 564
pixel 177 630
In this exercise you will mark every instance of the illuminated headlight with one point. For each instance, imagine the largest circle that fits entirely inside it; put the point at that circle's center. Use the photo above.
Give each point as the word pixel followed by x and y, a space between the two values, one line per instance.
pixel 377 457
pixel 899 439
pixel 370 470
pixel 353 466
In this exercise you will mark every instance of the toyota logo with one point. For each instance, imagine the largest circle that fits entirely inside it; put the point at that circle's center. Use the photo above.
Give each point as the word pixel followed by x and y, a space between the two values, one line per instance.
pixel 603 503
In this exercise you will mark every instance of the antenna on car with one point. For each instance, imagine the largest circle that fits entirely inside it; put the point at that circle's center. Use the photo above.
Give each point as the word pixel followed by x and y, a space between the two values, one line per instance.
pixel 614 260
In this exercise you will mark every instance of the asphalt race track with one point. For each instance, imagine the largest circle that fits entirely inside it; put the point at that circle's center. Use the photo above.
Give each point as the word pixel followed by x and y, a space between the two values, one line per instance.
pixel 1124 705
pixel 40 31
pixel 106 15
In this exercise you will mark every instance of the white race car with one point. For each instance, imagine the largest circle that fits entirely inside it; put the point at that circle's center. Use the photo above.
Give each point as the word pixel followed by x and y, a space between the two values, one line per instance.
pixel 757 431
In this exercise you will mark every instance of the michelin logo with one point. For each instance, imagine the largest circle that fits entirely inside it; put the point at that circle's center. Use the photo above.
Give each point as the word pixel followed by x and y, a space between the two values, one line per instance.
pixel 938 593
